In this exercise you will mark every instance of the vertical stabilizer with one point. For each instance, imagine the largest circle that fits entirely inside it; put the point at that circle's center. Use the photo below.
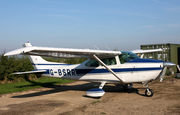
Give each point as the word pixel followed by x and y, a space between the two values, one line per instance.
pixel 35 60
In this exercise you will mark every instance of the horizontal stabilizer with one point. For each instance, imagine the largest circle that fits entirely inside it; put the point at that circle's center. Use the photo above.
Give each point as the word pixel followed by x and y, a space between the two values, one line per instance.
pixel 34 71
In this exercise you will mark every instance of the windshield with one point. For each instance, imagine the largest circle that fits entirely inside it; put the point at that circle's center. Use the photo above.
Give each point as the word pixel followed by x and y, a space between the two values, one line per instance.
pixel 127 56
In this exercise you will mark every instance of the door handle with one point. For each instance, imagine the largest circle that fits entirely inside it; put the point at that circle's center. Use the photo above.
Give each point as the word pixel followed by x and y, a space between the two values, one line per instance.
pixel 133 69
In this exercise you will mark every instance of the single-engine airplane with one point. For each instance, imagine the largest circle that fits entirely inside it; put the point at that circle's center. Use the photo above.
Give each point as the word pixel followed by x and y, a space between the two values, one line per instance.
pixel 104 67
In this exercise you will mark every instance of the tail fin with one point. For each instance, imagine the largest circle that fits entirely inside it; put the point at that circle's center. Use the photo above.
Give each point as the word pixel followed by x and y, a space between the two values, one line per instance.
pixel 35 60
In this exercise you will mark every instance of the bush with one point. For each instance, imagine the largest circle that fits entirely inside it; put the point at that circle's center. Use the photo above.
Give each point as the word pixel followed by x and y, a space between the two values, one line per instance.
pixel 13 64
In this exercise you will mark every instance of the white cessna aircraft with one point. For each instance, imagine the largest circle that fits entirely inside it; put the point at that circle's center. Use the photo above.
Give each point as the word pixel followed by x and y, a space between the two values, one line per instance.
pixel 115 67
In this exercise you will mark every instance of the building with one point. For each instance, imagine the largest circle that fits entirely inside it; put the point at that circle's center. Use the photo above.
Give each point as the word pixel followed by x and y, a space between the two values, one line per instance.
pixel 171 52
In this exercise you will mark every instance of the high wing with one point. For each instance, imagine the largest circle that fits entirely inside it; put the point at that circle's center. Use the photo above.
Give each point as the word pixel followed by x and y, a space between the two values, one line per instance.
pixel 62 52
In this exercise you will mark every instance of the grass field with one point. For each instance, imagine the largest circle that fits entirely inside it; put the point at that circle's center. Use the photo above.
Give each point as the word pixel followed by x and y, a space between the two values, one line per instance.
pixel 31 84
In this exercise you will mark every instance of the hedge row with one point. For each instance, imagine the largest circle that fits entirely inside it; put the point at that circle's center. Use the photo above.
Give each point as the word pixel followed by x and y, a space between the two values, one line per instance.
pixel 13 64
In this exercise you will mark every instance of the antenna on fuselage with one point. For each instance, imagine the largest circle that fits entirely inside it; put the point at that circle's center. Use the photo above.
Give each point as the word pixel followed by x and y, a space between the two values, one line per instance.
pixel 107 48
pixel 96 47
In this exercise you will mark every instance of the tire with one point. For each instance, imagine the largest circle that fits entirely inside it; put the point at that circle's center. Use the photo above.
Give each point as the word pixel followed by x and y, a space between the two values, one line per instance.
pixel 150 94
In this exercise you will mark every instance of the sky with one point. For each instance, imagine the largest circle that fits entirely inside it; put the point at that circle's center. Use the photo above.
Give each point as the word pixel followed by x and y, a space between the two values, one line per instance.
pixel 116 24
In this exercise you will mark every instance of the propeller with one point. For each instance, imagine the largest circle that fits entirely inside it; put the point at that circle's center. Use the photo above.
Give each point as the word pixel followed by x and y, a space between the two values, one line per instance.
pixel 169 67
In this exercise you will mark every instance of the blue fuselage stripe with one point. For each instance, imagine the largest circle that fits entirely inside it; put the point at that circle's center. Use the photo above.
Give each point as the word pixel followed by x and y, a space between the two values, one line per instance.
pixel 85 71
pixel 101 71
pixel 141 60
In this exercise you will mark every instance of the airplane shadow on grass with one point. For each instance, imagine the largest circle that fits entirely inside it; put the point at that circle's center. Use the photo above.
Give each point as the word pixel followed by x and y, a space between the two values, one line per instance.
pixel 81 87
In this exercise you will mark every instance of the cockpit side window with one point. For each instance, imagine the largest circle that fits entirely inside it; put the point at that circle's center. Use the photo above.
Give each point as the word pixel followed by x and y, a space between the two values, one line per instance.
pixel 127 56
pixel 107 61
pixel 92 63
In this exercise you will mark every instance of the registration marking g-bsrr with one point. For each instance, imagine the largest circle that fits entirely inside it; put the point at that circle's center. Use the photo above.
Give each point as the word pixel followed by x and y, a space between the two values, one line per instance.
pixel 67 72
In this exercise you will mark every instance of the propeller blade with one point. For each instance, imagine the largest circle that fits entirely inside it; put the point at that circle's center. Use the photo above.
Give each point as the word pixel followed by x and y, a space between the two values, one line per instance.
pixel 166 65
pixel 163 74
pixel 171 70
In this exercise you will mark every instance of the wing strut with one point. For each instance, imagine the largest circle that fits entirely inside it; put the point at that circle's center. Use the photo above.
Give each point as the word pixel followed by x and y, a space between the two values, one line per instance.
pixel 107 68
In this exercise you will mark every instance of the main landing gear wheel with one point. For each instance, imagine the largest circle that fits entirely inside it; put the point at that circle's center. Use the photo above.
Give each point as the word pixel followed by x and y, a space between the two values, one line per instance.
pixel 149 92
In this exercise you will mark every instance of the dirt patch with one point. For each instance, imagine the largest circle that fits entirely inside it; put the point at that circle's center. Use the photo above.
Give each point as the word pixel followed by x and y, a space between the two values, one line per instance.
pixel 32 107
pixel 164 102
pixel 70 99
pixel 175 109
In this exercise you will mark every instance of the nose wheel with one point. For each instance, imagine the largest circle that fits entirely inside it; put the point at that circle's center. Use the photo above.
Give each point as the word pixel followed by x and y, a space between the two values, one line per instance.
pixel 149 92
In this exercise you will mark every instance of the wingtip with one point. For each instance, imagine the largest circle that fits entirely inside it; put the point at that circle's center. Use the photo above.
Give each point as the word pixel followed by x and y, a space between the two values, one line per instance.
pixel 9 54
pixel 5 54
pixel 18 51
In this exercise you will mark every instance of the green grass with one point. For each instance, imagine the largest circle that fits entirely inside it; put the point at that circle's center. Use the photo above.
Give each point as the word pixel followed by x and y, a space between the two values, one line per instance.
pixel 31 84
pixel 96 101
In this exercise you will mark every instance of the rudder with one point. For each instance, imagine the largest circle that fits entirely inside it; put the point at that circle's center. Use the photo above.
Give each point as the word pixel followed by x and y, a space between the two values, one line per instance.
pixel 35 60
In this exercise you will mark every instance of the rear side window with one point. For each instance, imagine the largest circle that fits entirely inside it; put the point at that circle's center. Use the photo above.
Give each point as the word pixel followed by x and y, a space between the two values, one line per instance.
pixel 107 61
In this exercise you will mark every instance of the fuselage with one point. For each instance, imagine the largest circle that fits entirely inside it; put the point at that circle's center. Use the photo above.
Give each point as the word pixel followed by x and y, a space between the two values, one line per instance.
pixel 127 66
